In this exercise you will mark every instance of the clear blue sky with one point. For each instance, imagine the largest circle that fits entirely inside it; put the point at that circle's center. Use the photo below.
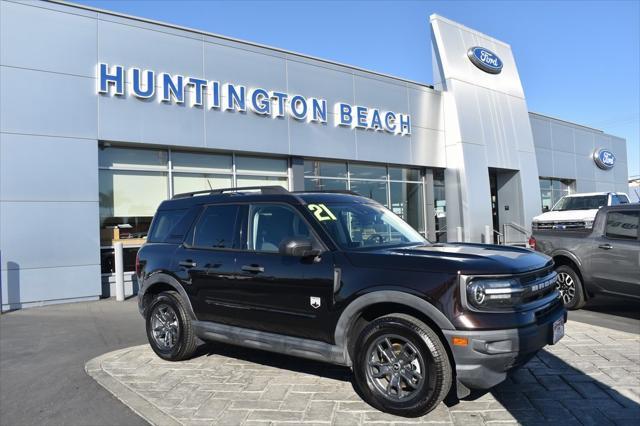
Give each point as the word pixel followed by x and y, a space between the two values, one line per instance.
pixel 578 60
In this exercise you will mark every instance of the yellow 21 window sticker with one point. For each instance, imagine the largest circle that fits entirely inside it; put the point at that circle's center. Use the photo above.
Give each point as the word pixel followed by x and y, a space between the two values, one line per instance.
pixel 321 212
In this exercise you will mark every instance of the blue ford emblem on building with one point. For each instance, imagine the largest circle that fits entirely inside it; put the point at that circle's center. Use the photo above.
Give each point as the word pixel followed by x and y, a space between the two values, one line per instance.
pixel 604 158
pixel 485 59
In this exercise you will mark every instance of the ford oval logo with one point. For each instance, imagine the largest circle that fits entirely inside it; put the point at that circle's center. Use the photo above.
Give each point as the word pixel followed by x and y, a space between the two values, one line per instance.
pixel 485 59
pixel 604 158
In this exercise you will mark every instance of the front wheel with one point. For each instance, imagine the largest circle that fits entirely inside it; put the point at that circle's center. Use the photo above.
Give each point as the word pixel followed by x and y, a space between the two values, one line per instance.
pixel 570 287
pixel 169 327
pixel 401 366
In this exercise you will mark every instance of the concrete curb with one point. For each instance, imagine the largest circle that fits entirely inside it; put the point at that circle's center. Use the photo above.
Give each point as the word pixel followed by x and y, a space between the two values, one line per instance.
pixel 131 399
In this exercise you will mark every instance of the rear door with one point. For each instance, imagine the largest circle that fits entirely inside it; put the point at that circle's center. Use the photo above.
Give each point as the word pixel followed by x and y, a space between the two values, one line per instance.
pixel 616 254
pixel 207 260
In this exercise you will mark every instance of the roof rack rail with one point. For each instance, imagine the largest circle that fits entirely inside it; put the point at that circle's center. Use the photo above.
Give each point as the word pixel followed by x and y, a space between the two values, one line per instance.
pixel 273 189
pixel 330 191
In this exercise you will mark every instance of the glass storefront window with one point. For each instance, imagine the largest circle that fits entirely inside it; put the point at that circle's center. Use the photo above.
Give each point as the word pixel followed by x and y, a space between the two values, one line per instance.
pixel 128 200
pixel 407 201
pixel 129 157
pixel 133 182
pixel 325 168
pixel 552 190
pixel 440 205
pixel 190 182
pixel 400 173
pixel 372 189
pixel 316 184
pixel 261 165
pixel 192 161
pixel 262 181
pixel 365 171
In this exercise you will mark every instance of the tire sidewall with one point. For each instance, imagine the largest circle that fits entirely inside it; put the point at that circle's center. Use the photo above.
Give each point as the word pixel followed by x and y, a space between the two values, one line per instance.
pixel 578 299
pixel 167 299
pixel 410 332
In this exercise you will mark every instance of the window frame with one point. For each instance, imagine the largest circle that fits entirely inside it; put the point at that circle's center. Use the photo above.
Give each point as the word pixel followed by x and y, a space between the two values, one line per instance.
pixel 189 241
pixel 246 234
pixel 606 235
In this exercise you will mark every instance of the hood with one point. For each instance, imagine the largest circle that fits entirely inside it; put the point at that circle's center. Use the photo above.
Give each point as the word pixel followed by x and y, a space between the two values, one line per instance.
pixel 466 258
pixel 566 215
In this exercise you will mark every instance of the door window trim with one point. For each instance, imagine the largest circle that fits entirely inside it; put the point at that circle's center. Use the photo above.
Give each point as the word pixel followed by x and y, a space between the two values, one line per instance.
pixel 606 221
pixel 190 241
pixel 249 223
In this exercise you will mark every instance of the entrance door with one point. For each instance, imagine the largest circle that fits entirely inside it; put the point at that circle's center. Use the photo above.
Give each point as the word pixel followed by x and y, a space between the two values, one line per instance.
pixel 495 211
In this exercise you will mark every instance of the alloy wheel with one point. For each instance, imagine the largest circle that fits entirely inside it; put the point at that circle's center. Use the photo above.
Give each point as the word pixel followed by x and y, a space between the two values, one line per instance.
pixel 164 326
pixel 395 367
pixel 566 285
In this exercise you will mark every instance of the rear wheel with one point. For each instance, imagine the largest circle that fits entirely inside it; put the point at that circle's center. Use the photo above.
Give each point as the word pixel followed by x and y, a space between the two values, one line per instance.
pixel 169 328
pixel 401 366
pixel 570 287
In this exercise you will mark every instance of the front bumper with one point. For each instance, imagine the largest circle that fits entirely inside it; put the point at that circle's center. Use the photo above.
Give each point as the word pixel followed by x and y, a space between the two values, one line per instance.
pixel 489 355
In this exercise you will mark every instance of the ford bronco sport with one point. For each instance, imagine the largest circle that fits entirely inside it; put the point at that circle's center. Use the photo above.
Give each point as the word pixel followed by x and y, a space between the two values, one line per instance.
pixel 337 277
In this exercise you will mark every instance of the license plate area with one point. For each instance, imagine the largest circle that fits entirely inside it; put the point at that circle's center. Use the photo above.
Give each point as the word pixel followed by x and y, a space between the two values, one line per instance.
pixel 557 330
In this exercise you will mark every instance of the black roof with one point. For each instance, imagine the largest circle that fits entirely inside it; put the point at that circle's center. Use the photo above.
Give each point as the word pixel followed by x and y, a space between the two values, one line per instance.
pixel 264 193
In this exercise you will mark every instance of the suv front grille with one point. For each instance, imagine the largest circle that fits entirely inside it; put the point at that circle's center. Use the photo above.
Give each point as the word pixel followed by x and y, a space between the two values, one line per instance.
pixel 538 284
pixel 560 225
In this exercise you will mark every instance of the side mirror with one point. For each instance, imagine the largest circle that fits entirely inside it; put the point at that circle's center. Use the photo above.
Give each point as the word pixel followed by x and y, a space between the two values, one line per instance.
pixel 545 209
pixel 298 247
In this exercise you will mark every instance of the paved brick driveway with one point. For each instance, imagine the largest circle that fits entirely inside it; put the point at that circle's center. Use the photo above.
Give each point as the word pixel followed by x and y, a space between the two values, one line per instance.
pixel 591 377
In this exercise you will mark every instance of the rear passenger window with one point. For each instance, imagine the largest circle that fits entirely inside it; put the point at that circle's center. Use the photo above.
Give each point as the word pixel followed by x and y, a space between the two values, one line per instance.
pixel 163 223
pixel 216 227
pixel 623 225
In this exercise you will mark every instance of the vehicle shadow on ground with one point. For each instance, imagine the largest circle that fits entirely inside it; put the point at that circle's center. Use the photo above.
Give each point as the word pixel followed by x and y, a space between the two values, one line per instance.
pixel 546 389
pixel 621 307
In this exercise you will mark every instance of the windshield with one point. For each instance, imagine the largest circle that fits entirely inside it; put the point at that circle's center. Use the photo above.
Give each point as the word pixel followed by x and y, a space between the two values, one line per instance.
pixel 354 226
pixel 581 203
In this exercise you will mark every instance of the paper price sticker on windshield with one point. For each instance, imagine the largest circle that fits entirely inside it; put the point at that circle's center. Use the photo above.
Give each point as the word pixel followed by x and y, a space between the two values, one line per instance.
pixel 321 212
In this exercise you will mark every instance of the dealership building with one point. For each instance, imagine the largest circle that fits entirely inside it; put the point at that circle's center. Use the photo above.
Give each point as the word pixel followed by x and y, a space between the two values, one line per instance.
pixel 103 116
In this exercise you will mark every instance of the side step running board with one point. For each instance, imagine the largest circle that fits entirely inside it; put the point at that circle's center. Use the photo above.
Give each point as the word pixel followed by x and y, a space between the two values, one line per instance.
pixel 304 348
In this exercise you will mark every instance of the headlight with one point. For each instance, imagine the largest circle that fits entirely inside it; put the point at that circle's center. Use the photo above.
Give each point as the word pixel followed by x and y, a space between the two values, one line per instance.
pixel 494 293
pixel 588 224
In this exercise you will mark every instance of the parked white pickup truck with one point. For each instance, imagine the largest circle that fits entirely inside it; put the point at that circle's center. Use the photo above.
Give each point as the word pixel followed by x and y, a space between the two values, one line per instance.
pixel 577 211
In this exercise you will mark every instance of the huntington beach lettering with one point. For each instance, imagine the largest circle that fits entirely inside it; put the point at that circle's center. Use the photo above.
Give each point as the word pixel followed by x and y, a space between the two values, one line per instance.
pixel 214 95
pixel 485 59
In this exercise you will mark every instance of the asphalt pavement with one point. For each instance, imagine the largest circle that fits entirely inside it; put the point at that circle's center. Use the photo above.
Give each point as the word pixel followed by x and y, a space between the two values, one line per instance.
pixel 42 357
pixel 617 313
pixel 43 352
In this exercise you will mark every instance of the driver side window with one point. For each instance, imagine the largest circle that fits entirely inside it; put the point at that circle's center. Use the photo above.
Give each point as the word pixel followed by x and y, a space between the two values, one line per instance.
pixel 271 224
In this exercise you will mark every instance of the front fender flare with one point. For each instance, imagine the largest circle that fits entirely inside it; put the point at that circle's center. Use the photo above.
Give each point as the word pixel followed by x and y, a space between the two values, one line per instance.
pixel 349 315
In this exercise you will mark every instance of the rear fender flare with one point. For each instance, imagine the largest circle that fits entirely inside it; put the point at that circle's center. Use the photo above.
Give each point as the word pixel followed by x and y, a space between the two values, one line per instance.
pixel 166 279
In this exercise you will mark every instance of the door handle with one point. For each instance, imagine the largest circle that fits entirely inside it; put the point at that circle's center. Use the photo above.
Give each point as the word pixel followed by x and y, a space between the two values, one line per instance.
pixel 605 246
pixel 188 263
pixel 253 268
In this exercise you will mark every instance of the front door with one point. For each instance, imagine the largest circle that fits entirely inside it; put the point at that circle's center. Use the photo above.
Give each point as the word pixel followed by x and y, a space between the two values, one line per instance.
pixel 616 254
pixel 283 294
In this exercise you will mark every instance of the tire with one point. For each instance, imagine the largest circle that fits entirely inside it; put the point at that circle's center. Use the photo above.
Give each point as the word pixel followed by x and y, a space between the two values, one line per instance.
pixel 570 287
pixel 174 338
pixel 417 349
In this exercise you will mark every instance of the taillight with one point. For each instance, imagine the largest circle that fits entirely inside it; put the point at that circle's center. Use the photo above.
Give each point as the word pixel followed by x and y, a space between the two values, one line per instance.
pixel 138 265
pixel 532 243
